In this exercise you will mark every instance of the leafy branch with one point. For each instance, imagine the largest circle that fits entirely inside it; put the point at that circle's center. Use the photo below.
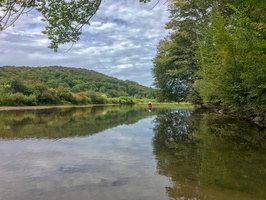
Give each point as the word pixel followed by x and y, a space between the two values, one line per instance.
pixel 65 18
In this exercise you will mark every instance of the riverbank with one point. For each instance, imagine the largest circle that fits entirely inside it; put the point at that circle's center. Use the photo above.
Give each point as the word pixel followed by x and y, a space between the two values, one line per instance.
pixel 50 107
pixel 78 106
pixel 256 118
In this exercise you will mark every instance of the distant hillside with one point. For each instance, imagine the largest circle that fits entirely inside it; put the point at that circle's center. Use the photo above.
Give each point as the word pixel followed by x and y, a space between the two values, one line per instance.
pixel 75 79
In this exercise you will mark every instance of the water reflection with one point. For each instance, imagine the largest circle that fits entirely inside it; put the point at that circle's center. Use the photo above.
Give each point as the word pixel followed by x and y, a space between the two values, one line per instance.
pixel 66 122
pixel 194 155
pixel 116 163
pixel 209 157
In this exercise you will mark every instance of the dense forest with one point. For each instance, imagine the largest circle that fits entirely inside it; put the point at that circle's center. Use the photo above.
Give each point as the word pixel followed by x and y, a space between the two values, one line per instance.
pixel 63 85
pixel 214 55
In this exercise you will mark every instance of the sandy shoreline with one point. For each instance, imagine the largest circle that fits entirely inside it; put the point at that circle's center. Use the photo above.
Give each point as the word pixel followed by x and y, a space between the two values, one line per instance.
pixel 49 107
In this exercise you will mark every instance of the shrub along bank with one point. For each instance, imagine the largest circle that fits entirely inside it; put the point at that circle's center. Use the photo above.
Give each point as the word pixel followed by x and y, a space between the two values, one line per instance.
pixel 59 96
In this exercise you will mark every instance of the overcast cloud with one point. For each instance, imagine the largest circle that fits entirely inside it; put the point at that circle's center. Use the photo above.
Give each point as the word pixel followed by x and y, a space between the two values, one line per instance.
pixel 120 42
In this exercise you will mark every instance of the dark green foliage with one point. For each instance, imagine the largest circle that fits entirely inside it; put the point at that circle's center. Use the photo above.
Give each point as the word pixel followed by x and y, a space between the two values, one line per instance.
pixel 172 85
pixel 61 85
pixel 176 62
pixel 233 60
pixel 194 97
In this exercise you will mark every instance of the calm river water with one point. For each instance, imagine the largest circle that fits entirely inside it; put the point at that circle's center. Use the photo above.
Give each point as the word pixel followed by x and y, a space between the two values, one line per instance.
pixel 128 153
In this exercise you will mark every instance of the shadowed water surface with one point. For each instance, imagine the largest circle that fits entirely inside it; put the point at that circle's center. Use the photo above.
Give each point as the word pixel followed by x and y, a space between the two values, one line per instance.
pixel 129 153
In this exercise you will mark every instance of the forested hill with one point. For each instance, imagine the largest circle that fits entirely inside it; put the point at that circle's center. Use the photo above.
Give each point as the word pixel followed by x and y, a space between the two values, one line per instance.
pixel 75 79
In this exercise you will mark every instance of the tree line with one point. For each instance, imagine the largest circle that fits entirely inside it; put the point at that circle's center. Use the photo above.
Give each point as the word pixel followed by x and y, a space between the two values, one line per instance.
pixel 214 55
pixel 62 85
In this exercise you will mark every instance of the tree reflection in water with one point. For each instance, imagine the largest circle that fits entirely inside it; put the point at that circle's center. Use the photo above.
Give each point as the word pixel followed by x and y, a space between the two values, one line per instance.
pixel 66 122
pixel 209 157
pixel 205 156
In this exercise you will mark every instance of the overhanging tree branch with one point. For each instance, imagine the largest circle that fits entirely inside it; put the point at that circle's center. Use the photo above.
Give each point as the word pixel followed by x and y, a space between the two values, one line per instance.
pixel 65 18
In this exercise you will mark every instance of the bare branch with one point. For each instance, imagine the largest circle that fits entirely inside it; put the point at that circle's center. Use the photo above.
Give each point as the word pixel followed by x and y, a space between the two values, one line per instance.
pixel 7 21
pixel 158 3
pixel 155 4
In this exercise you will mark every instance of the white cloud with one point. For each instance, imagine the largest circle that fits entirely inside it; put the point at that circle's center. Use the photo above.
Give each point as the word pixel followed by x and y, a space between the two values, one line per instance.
pixel 125 66
pixel 121 41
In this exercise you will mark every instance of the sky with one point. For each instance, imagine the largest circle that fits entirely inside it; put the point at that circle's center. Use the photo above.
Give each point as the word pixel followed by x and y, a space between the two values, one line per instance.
pixel 120 41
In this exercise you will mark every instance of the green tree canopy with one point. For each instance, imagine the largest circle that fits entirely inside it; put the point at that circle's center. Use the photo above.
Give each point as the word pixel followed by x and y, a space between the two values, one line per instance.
pixel 74 79
pixel 233 61
pixel 176 62
pixel 217 50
